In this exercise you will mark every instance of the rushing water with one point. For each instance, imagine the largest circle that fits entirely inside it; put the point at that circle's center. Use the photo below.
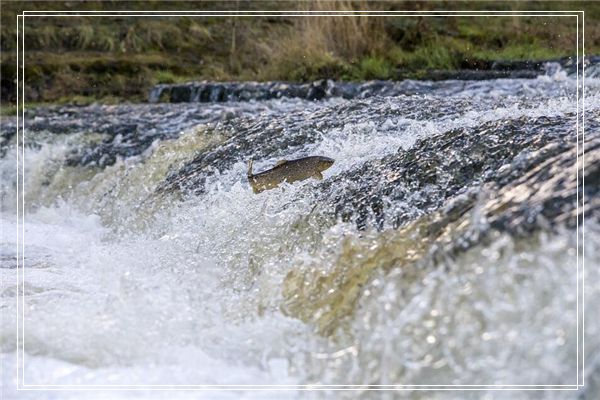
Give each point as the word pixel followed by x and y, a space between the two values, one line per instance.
pixel 420 259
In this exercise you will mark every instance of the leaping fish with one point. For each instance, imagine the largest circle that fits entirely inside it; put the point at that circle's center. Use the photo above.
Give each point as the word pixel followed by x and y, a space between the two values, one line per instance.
pixel 289 171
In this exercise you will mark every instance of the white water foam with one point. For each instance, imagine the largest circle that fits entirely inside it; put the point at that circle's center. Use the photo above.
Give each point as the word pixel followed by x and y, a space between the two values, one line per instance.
pixel 194 298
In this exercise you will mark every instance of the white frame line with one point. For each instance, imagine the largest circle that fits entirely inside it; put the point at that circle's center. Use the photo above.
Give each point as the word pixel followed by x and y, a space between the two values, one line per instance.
pixel 583 204
pixel 276 387
pixel 306 12
pixel 17 148
pixel 577 196
pixel 296 15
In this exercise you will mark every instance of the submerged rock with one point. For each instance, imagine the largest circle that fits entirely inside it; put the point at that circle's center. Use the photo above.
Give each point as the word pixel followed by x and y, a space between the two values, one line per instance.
pixel 444 196
pixel 263 138
pixel 396 189
pixel 126 130
pixel 209 92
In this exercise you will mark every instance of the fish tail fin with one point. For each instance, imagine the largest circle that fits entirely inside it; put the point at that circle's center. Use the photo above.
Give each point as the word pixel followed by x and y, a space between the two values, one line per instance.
pixel 250 168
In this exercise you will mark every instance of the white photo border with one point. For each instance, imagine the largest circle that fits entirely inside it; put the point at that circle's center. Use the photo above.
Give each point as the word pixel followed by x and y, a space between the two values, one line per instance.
pixel 20 364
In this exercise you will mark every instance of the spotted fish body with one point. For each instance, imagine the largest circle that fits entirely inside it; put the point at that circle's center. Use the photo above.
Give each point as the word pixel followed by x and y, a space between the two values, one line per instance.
pixel 288 171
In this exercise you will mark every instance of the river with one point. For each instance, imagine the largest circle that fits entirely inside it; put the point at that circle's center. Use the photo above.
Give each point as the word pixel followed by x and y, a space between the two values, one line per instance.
pixel 440 248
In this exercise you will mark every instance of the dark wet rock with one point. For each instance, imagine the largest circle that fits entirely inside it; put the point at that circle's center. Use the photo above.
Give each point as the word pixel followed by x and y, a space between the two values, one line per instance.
pixel 528 69
pixel 120 141
pixel 180 94
pixel 458 199
pixel 448 162
pixel 479 75
pixel 549 193
pixel 126 130
pixel 206 92
pixel 249 139
pixel 568 64
pixel 5 136
pixel 263 138
pixel 526 65
pixel 542 197
pixel 211 92
pixel 396 190
pixel 317 90
pixel 436 81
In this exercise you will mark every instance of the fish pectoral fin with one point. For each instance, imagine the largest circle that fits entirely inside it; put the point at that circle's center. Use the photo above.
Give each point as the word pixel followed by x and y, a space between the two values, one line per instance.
pixel 280 162
pixel 319 176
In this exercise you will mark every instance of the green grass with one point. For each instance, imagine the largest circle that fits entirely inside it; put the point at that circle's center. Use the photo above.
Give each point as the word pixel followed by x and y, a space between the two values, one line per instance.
pixel 516 51
pixel 10 109
pixel 168 76
pixel 375 68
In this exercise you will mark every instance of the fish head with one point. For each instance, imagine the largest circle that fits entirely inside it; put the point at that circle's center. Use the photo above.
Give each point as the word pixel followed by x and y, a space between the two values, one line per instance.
pixel 324 162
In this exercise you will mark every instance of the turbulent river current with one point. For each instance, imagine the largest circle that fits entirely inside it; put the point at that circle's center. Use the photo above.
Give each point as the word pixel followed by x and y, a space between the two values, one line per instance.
pixel 445 246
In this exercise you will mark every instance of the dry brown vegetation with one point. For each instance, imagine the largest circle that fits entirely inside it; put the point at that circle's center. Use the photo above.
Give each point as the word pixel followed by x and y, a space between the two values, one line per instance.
pixel 325 45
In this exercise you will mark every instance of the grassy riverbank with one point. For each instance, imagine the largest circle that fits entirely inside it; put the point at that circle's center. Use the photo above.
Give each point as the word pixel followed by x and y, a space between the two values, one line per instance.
pixel 83 59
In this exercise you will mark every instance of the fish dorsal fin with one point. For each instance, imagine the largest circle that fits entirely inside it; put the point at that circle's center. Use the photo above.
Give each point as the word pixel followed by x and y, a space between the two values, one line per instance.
pixel 249 173
pixel 280 162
